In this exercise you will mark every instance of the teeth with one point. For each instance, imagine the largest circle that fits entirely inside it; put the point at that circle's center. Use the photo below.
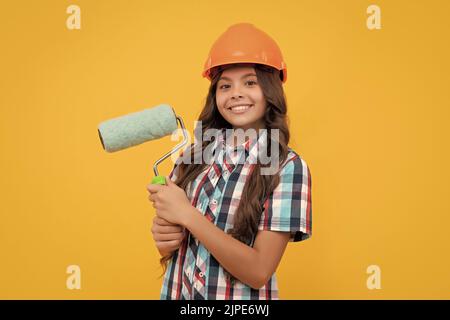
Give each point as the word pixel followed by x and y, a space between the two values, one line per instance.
pixel 240 108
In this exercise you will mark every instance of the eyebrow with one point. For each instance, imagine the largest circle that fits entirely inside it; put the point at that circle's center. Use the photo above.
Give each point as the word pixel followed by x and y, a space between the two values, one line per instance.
pixel 244 76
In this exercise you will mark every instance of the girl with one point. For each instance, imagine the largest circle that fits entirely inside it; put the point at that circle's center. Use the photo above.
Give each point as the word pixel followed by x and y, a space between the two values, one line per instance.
pixel 222 227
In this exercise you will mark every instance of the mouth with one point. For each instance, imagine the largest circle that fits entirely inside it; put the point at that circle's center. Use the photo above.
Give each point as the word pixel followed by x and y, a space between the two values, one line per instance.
pixel 239 109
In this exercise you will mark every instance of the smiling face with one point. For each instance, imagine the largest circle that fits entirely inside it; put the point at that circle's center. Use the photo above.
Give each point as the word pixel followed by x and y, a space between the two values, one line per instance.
pixel 240 99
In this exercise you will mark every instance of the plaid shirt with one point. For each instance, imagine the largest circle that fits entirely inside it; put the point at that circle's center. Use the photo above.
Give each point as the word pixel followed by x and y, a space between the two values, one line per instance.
pixel 193 273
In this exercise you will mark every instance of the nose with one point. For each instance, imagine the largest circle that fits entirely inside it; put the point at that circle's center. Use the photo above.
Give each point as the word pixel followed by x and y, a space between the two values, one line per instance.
pixel 236 93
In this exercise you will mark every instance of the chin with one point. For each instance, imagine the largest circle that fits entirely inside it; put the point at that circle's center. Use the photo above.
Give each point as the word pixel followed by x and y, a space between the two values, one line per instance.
pixel 240 124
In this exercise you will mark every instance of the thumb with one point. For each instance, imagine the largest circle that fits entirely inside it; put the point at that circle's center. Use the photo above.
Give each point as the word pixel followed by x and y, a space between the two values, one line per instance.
pixel 169 182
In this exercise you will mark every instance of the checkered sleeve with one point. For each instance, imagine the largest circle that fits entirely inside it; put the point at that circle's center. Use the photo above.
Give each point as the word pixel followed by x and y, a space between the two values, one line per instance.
pixel 288 208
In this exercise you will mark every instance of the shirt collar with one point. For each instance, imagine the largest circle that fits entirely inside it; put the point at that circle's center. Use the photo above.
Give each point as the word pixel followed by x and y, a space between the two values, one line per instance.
pixel 245 152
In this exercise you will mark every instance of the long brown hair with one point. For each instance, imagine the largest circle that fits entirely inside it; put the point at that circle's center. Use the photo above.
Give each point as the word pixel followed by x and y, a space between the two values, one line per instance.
pixel 257 187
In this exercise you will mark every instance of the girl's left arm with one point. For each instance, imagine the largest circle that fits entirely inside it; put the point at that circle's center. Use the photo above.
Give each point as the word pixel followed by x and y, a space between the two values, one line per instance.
pixel 252 266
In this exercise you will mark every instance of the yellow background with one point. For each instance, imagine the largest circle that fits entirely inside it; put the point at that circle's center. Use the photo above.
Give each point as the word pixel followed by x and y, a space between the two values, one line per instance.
pixel 368 111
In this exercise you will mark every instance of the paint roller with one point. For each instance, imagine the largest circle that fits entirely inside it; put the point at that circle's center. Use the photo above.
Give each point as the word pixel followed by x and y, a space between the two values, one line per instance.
pixel 139 127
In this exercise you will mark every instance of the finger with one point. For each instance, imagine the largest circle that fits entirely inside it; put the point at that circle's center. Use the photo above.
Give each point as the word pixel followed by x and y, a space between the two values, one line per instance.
pixel 163 222
pixel 166 229
pixel 168 245
pixel 169 182
pixel 152 188
pixel 153 197
pixel 168 236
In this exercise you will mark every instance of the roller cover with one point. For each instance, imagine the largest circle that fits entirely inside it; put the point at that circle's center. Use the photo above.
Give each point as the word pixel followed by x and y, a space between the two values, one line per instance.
pixel 138 127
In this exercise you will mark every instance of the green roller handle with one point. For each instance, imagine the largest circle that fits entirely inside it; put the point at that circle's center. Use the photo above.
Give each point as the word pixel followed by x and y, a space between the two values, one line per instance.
pixel 159 180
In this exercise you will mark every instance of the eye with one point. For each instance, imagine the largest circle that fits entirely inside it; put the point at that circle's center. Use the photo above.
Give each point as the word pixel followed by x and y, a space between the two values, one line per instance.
pixel 251 82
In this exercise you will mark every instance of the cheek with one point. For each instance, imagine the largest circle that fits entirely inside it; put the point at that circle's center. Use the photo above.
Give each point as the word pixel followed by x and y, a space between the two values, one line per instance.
pixel 258 96
pixel 220 99
pixel 260 110
pixel 260 103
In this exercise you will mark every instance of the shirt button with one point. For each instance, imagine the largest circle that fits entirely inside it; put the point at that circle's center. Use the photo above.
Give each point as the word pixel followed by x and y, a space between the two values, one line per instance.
pixel 213 201
pixel 225 173
pixel 201 274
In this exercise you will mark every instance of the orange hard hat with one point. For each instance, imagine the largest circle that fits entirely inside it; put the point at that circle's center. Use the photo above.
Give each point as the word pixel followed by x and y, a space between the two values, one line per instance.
pixel 244 43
